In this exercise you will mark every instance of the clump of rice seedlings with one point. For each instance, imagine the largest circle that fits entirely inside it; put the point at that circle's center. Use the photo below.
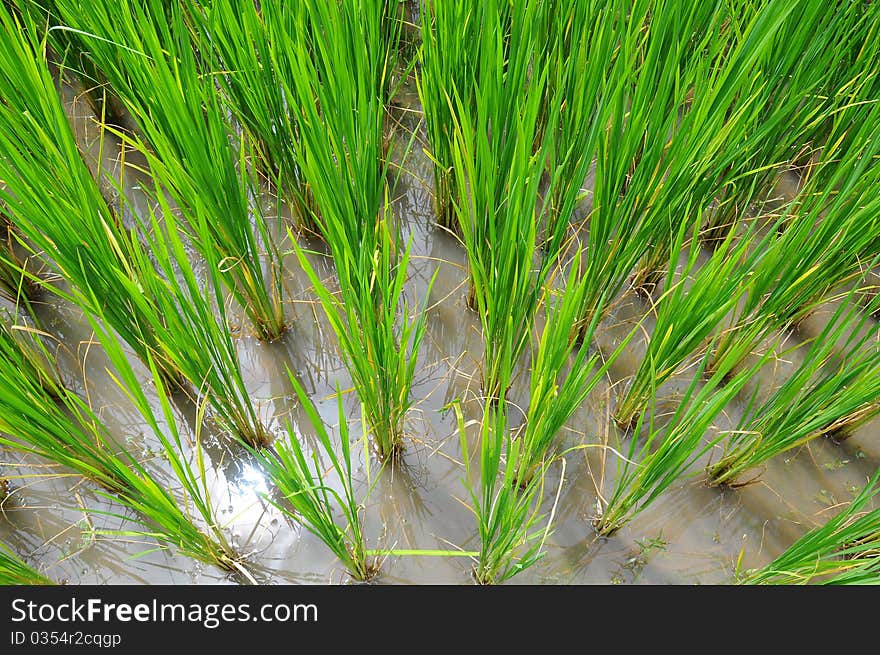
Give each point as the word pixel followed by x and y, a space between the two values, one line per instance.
pixel 511 525
pixel 66 431
pixel 148 54
pixel 638 149
pixel 555 394
pixel 651 465
pixel 309 495
pixel 583 43
pixel 845 550
pixel 15 571
pixel 498 179
pixel 447 67
pixel 165 316
pixel 188 315
pixel 341 61
pixel 821 397
pixel 668 123
pixel 54 203
pixel 689 311
pixel 250 56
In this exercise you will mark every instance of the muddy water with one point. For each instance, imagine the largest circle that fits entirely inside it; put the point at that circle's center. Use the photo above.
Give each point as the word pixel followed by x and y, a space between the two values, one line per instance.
pixel 692 535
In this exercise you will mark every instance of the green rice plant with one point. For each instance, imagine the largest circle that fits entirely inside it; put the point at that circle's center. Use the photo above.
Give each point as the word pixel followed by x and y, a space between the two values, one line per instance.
pixel 165 316
pixel 583 44
pixel 341 61
pixel 36 364
pixel 822 396
pixel 796 103
pixel 559 382
pixel 311 499
pixel 69 51
pixel 188 315
pixel 241 42
pixel 66 431
pixel 832 228
pixel 498 175
pixel 689 311
pixel 15 571
pixel 845 550
pixel 447 68
pixel 688 89
pixel 511 525
pixel 667 454
pixel 650 75
pixel 55 204
pixel 146 51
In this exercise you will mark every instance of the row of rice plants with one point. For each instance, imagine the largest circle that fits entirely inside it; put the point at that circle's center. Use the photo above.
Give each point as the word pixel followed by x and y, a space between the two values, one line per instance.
pixel 831 225
pixel 833 389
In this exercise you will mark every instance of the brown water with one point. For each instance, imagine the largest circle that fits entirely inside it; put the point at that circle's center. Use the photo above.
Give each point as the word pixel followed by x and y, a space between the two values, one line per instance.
pixel 691 535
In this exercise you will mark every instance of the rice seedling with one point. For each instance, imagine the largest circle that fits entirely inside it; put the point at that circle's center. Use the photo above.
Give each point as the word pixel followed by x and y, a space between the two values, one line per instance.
pixel 668 452
pixel 820 397
pixel 498 176
pixel 341 61
pixel 189 317
pixel 15 571
pixel 311 499
pixel 640 112
pixel 69 50
pixel 146 51
pixel 845 550
pixel 687 314
pixel 66 431
pixel 558 382
pixel 511 525
pixel 582 46
pixel 238 41
pixel 447 67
